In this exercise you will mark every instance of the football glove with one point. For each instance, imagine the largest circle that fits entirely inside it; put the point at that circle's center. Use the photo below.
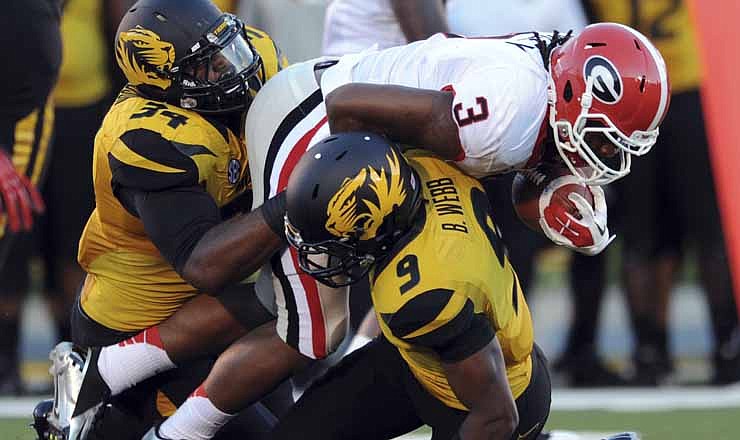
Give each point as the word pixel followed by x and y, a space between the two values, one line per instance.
pixel 19 198
pixel 588 235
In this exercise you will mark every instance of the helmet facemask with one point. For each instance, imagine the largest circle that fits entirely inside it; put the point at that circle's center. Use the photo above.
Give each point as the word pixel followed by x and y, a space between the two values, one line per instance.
pixel 223 73
pixel 338 262
pixel 334 262
pixel 583 159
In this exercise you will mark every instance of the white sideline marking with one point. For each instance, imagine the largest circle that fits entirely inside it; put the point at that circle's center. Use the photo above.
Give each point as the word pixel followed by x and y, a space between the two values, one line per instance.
pixel 607 399
pixel 647 399
pixel 554 435
pixel 20 407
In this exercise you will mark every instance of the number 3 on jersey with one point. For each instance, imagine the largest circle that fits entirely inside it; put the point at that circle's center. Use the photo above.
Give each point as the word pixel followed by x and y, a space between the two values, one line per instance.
pixel 471 115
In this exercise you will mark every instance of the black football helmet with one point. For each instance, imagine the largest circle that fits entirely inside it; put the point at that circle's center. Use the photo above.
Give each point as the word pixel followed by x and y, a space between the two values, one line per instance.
pixel 350 197
pixel 190 54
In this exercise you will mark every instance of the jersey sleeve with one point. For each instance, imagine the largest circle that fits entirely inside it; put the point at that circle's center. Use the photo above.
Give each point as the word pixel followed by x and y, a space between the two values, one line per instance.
pixel 444 321
pixel 498 112
pixel 144 160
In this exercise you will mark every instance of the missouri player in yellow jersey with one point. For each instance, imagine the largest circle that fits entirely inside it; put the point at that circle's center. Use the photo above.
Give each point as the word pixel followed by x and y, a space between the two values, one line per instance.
pixel 457 349
pixel 167 244
pixel 670 206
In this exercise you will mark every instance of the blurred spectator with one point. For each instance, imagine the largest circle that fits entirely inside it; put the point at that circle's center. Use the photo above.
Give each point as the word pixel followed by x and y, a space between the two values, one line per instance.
pixel 484 17
pixel 352 26
pixel 32 43
pixel 668 203
pixel 295 25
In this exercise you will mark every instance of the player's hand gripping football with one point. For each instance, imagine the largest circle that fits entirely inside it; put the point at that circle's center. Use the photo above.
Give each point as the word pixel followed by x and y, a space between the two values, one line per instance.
pixel 19 198
pixel 588 234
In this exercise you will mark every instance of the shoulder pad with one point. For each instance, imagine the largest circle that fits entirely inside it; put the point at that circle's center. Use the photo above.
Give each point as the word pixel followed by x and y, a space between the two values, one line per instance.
pixel 143 159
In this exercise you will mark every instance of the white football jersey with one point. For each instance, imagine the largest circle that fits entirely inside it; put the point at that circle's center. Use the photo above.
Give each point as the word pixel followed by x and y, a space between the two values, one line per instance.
pixel 500 87
pixel 351 26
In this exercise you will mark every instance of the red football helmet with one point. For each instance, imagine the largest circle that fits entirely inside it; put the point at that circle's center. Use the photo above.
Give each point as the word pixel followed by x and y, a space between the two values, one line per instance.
pixel 608 84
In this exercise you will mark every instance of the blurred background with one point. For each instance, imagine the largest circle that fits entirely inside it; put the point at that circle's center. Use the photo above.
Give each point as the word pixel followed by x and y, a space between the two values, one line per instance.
pixel 643 337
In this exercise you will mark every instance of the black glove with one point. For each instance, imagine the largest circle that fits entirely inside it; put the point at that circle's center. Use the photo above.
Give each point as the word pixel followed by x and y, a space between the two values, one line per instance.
pixel 273 210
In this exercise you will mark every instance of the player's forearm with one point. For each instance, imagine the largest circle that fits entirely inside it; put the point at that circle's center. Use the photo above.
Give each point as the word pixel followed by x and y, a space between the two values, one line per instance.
pixel 411 116
pixel 420 19
pixel 481 384
pixel 230 252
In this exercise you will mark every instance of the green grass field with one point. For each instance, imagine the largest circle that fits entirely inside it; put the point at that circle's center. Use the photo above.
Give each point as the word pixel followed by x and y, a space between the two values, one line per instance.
pixel 671 425
pixel 716 424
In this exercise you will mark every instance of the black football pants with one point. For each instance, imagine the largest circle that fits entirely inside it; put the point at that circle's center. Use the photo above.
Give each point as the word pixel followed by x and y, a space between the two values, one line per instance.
pixel 372 395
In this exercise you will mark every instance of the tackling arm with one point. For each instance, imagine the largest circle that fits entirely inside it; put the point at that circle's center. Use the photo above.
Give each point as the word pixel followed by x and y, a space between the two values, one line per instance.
pixel 418 117
pixel 480 382
pixel 420 19
pixel 231 251
pixel 185 225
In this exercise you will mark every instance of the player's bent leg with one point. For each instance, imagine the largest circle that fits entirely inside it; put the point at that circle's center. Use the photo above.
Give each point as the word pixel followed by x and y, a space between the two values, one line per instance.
pixel 362 398
pixel 249 369
pixel 203 326
pixel 311 322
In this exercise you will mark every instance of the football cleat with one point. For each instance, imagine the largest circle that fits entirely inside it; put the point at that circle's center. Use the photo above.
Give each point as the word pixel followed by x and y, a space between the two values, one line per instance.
pixel 92 393
pixel 67 363
pixel 42 424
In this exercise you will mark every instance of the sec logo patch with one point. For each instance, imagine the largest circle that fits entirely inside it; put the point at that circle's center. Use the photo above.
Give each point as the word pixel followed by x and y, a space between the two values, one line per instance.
pixel 234 171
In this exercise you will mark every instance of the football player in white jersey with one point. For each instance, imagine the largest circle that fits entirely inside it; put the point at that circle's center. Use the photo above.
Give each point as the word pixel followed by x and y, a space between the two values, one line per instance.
pixel 492 105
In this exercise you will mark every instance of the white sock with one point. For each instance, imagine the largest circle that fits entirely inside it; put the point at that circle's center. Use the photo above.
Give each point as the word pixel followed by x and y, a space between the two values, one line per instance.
pixel 196 419
pixel 131 361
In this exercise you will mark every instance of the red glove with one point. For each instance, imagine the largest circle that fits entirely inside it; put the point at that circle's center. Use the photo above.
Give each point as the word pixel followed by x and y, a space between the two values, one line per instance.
pixel 588 235
pixel 19 198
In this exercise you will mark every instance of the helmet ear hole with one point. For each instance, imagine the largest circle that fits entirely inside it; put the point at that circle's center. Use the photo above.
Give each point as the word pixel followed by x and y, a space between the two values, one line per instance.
pixel 315 192
pixel 340 155
pixel 568 92
pixel 642 84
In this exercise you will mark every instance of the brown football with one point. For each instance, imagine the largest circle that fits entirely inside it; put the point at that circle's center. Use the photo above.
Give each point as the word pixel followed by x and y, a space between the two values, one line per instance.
pixel 529 185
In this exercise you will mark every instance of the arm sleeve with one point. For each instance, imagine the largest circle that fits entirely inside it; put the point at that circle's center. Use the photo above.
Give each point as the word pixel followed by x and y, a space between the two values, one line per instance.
pixel 498 112
pixel 175 220
pixel 443 321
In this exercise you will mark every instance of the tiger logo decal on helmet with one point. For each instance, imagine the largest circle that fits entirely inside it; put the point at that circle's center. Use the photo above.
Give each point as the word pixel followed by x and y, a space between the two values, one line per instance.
pixel 144 57
pixel 349 213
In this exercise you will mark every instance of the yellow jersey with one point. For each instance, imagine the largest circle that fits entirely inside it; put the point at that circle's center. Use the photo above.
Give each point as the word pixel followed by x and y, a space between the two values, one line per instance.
pixel 450 274
pixel 83 78
pixel 668 25
pixel 150 145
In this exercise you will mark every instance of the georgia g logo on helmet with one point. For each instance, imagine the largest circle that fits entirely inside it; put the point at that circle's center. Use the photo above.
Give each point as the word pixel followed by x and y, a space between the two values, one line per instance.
pixel 143 57
pixel 607 81
pixel 347 216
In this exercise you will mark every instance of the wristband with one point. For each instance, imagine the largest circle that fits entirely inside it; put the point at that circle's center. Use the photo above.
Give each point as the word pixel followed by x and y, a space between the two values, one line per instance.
pixel 273 210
